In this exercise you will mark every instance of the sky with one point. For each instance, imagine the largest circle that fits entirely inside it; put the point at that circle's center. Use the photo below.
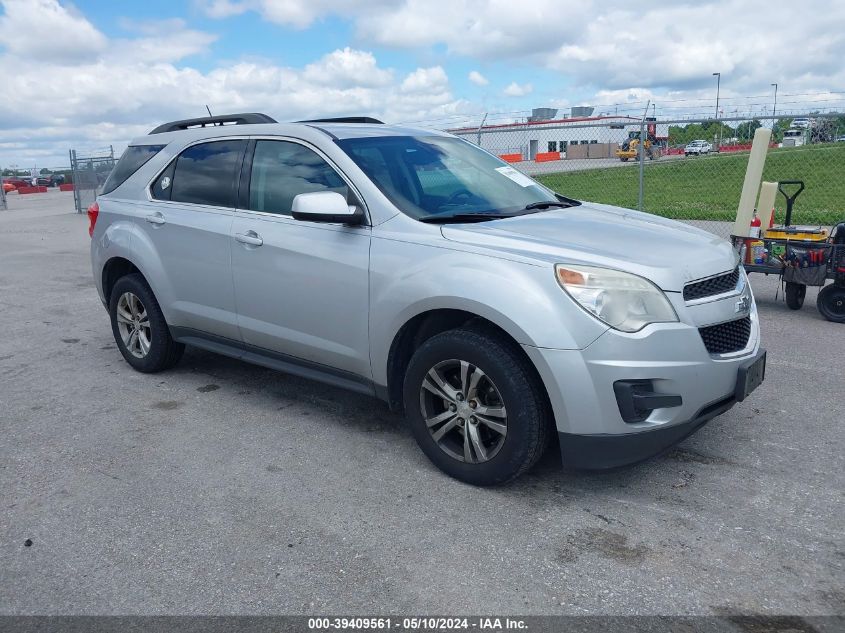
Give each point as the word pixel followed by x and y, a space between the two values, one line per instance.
pixel 93 73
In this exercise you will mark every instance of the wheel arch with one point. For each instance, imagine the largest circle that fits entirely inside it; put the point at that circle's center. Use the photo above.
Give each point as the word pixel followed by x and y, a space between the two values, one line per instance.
pixel 115 268
pixel 424 325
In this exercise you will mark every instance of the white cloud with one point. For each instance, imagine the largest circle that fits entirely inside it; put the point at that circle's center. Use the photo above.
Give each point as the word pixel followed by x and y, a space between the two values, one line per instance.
pixel 45 31
pixel 477 78
pixel 346 68
pixel 222 8
pixel 161 41
pixel 126 86
pixel 668 44
pixel 82 87
pixel 518 90
pixel 426 80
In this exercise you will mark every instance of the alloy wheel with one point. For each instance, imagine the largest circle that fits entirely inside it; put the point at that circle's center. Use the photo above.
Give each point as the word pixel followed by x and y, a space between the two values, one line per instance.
pixel 464 411
pixel 133 325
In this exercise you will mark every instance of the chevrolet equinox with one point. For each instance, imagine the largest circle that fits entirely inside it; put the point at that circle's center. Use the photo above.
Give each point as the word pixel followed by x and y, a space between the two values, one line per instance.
pixel 418 268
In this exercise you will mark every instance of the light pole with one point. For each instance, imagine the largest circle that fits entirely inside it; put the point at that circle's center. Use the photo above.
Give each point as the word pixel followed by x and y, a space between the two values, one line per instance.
pixel 775 106
pixel 718 77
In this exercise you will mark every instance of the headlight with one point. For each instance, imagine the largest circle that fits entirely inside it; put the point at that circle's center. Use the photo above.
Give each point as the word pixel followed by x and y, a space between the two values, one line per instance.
pixel 624 301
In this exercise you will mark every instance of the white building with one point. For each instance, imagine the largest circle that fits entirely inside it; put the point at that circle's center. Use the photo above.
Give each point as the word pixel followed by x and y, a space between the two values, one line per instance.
pixel 535 137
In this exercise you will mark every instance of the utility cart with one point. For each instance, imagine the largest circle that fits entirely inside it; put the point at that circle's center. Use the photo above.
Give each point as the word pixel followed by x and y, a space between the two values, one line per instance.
pixel 803 256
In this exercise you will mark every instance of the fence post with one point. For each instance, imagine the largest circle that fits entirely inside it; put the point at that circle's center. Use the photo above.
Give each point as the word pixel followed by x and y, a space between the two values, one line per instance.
pixel 3 198
pixel 641 147
pixel 480 127
pixel 77 203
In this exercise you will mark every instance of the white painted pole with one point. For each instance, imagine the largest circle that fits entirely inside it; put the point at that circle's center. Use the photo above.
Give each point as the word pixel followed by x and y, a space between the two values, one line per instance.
pixel 766 203
pixel 753 176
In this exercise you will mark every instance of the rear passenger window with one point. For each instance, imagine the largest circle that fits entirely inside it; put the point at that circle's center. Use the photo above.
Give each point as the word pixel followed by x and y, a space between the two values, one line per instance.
pixel 206 173
pixel 282 170
pixel 131 161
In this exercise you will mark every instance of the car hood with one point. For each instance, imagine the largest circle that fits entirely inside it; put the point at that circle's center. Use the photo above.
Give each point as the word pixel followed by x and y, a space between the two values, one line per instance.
pixel 666 252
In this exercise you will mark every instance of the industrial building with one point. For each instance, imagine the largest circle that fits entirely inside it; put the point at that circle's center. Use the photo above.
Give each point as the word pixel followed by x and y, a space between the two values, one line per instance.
pixel 544 137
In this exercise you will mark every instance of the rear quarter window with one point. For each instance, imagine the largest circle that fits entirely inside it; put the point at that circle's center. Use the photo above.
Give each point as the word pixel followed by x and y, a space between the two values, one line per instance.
pixel 131 161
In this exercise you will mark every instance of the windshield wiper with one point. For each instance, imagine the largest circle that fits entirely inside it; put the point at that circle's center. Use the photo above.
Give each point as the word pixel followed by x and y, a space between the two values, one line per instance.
pixel 467 217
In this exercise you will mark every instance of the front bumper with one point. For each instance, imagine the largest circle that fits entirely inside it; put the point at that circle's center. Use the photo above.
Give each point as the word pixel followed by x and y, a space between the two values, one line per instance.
pixel 603 452
pixel 670 358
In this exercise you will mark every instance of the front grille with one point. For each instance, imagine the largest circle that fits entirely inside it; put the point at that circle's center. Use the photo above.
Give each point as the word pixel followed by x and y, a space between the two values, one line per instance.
pixel 712 286
pixel 726 337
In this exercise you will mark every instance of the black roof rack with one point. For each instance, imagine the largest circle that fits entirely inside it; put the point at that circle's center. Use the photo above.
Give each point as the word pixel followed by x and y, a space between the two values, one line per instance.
pixel 208 121
pixel 346 119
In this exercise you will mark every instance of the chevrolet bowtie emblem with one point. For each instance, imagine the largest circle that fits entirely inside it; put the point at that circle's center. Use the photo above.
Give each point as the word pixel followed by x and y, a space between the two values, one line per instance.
pixel 743 304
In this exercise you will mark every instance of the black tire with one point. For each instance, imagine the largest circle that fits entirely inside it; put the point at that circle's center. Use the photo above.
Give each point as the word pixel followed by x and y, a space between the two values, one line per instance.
pixel 795 295
pixel 528 420
pixel 831 303
pixel 163 351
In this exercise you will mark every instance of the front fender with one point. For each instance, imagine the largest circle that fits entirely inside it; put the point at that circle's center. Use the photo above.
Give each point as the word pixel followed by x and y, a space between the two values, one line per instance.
pixel 523 299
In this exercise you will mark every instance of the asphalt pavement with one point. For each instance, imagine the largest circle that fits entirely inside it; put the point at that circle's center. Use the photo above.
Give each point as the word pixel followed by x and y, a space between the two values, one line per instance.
pixel 224 488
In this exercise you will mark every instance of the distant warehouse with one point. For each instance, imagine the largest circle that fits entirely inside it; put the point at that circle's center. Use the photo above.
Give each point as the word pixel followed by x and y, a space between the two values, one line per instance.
pixel 544 137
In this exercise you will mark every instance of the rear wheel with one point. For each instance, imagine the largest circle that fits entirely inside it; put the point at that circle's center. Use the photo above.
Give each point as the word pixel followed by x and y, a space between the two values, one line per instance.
pixel 795 295
pixel 139 328
pixel 831 303
pixel 475 408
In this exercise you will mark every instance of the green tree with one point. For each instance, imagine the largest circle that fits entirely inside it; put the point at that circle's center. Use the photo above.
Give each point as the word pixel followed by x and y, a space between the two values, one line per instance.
pixel 745 130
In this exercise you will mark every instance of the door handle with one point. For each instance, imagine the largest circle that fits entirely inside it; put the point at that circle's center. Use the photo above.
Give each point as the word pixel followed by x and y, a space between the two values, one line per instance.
pixel 156 218
pixel 250 237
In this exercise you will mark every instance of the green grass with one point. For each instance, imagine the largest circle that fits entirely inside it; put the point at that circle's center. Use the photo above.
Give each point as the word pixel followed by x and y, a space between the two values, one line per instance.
pixel 708 188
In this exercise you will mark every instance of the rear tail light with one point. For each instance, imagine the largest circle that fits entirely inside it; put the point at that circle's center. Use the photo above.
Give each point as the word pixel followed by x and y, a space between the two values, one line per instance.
pixel 93 212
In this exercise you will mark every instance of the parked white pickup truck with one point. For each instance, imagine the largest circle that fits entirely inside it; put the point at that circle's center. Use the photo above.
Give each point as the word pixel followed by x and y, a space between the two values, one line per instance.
pixel 698 148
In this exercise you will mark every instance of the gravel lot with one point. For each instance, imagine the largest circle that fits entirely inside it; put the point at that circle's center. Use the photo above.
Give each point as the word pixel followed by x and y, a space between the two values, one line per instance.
pixel 220 487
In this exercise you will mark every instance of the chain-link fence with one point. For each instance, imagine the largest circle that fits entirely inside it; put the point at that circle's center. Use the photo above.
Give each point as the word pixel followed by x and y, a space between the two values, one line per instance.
pixel 88 174
pixel 690 170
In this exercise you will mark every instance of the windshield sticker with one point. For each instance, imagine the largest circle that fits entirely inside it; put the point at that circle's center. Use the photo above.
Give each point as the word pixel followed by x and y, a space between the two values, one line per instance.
pixel 517 176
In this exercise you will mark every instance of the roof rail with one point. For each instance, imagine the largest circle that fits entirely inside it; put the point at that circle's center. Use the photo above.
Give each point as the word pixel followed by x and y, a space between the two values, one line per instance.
pixel 209 121
pixel 345 119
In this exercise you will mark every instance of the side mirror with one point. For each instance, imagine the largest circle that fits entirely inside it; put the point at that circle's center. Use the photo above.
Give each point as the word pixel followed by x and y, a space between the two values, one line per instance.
pixel 325 206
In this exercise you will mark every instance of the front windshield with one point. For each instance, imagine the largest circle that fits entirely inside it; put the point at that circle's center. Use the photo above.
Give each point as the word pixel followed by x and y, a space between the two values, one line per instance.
pixel 437 176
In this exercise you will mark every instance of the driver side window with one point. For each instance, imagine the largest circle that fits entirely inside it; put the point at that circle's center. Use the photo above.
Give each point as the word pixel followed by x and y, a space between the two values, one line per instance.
pixel 281 170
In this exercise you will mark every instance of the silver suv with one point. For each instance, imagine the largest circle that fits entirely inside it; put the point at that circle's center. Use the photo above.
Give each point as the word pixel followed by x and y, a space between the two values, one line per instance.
pixel 415 267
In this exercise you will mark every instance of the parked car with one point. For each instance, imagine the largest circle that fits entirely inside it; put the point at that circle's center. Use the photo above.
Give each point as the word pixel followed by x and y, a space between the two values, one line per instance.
pixel 18 181
pixel 413 266
pixel 8 187
pixel 840 139
pixel 698 148
pixel 801 123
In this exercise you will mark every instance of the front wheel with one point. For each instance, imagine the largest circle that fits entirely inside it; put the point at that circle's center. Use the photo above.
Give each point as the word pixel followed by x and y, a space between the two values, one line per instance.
pixel 795 295
pixel 475 407
pixel 831 303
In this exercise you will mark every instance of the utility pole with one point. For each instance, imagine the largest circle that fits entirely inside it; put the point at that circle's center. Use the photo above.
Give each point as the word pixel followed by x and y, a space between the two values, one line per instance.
pixel 775 106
